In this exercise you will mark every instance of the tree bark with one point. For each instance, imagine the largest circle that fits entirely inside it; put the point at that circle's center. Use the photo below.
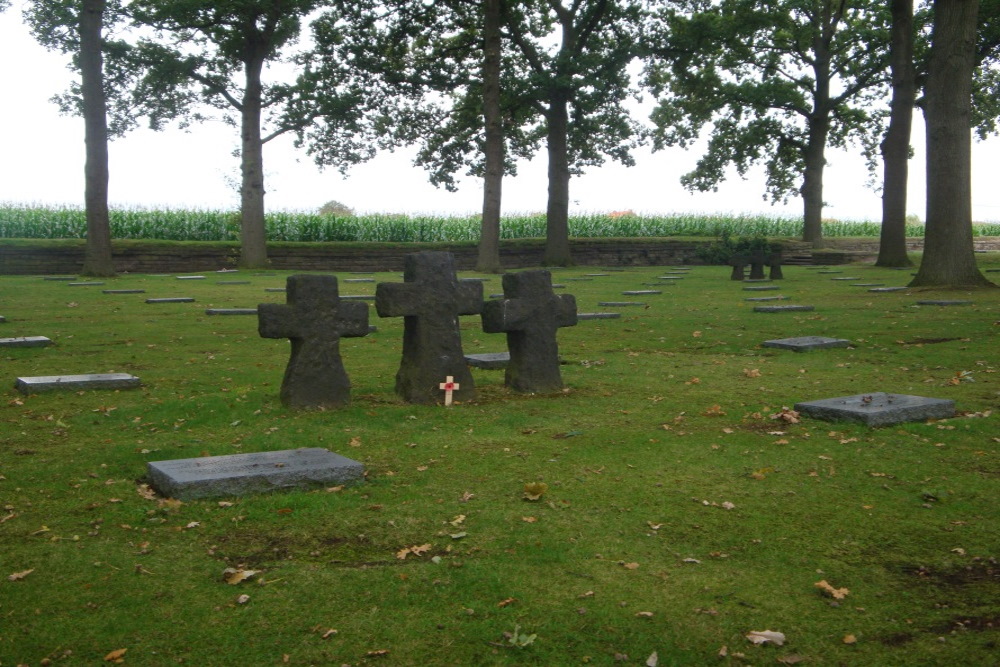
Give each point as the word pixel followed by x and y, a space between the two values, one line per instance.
pixel 97 257
pixel 949 257
pixel 896 145
pixel 812 180
pixel 253 236
pixel 557 251
pixel 488 260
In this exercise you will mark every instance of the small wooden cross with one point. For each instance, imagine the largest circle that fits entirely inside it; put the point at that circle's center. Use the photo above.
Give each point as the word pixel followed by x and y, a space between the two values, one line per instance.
pixel 448 386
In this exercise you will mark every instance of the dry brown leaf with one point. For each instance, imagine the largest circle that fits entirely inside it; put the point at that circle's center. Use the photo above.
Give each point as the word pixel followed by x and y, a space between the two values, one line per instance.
pixel 653 660
pixel 714 411
pixel 116 656
pixel 355 442
pixel 835 593
pixel 786 415
pixel 18 576
pixel 644 614
pixel 4 519
pixel 765 636
pixel 630 566
pixel 751 372
pixel 535 490
pixel 233 576
pixel 792 659
pixel 146 492
pixel 850 639
pixel 329 633
pixel 377 653
pixel 508 601
pixel 529 519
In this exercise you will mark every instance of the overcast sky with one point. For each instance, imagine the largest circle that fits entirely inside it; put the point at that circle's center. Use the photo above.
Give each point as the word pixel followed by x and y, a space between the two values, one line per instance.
pixel 43 152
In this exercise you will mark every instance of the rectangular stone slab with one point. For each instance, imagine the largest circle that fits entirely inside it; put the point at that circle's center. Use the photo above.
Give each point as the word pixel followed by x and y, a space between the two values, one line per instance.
pixel 358 280
pixel 781 309
pixel 123 291
pixel 2 319
pixel 598 316
pixel 760 288
pixel 86 284
pixel 32 385
pixel 60 278
pixel 878 408
pixel 190 277
pixel 232 282
pixel 766 298
pixel 172 299
pixel 230 311
pixel 490 361
pixel 888 289
pixel 867 284
pixel 260 472
pixel 639 292
pixel 25 341
pixel 935 302
pixel 847 278
pixel 620 303
pixel 803 343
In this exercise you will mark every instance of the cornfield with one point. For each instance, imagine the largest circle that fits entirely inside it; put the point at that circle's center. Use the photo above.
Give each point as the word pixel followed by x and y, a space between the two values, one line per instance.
pixel 42 222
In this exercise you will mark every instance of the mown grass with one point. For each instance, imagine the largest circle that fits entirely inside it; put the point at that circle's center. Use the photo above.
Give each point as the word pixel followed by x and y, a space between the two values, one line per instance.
pixel 20 221
pixel 666 416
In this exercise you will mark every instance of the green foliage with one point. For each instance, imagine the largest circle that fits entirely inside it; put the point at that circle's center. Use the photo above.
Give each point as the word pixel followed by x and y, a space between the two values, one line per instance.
pixel 334 207
pixel 723 250
pixel 43 222
pixel 631 551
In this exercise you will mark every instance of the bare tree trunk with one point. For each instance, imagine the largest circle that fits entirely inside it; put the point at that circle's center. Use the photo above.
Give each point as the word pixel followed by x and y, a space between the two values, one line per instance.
pixel 253 235
pixel 896 145
pixel 97 257
pixel 812 180
pixel 949 258
pixel 488 260
pixel 557 212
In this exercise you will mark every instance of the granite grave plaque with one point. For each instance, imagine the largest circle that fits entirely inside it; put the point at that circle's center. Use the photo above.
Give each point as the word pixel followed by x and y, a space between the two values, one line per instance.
pixel 230 311
pixel 782 309
pixel 172 299
pixel 804 343
pixel 490 361
pixel 32 385
pixel 260 472
pixel 25 341
pixel 598 316
pixel 878 408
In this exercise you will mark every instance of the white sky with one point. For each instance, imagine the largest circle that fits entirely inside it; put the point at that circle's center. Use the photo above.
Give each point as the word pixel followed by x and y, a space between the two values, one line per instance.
pixel 42 154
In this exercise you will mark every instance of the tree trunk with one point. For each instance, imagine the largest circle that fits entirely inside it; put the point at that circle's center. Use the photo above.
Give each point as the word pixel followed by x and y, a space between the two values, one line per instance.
pixel 97 257
pixel 557 212
pixel 812 180
pixel 949 257
pixel 488 260
pixel 896 145
pixel 253 236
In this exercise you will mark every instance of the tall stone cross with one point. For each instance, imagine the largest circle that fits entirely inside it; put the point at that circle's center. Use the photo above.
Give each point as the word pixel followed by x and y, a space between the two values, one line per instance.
pixel 530 314
pixel 430 300
pixel 314 319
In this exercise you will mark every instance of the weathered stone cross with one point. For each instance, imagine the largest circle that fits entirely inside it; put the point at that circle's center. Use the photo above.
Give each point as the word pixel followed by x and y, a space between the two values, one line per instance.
pixel 530 314
pixel 314 319
pixel 430 300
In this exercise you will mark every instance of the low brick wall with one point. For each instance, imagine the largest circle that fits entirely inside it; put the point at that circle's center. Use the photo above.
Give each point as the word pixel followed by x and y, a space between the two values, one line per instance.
pixel 21 257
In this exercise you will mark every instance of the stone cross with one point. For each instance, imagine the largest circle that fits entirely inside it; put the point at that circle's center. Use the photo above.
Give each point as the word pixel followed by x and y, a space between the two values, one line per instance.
pixel 449 387
pixel 757 262
pixel 314 319
pixel 739 264
pixel 430 300
pixel 531 314
pixel 774 262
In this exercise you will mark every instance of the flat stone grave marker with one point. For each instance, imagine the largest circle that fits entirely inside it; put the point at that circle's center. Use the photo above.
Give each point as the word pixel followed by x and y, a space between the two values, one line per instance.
pixel 760 288
pixel 867 284
pixel 888 289
pixel 640 292
pixel 804 343
pixel 123 291
pixel 490 361
pixel 259 472
pixel 358 297
pixel 230 311
pixel 531 314
pixel 829 271
pixel 232 282
pixel 766 298
pixel 620 304
pixel 878 408
pixel 31 385
pixel 598 316
pixel 496 296
pixel 670 277
pixel 430 301
pixel 781 309
pixel 314 319
pixel 172 299
pixel 228 271
pixel 660 284
pixel 60 278
pixel 359 280
pixel 944 302
pixel 274 289
pixel 86 284
pixel 596 275
pixel 847 278
pixel 992 270
pixel 612 268
pixel 190 277
pixel 581 280
pixel 478 280
pixel 2 319
pixel 558 286
pixel 25 341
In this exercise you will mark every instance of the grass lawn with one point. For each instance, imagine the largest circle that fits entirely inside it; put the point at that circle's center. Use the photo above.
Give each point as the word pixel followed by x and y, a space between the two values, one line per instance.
pixel 681 512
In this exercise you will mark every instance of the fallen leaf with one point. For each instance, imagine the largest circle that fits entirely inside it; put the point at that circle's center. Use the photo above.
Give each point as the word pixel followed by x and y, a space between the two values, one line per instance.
pixel 790 659
pixel 10 516
pixel 243 599
pixel 588 594
pixel 466 497
pixel 696 334
pixel 751 372
pixel 535 490
pixel 457 520
pixel 653 660
pixel 116 656
pixel 334 489
pixel 233 576
pixel 146 492
pixel 786 415
pixel 835 593
pixel 728 505
pixel 355 442
pixel 630 566
pixel 529 519
pixel 329 633
pixel 714 411
pixel 18 576
pixel 764 636
pixel 508 601
pixel 850 639
pixel 377 653
pixel 644 614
